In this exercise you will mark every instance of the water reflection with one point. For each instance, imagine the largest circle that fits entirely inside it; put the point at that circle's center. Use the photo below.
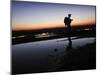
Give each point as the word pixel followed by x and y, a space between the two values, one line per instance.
pixel 57 60
pixel 69 46
pixel 48 55
pixel 45 35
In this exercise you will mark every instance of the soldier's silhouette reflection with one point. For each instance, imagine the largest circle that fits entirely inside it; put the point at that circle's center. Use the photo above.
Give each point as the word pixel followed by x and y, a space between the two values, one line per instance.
pixel 69 46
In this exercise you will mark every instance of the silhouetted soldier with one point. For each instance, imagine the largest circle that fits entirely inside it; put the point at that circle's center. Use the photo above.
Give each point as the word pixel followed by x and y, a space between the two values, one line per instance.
pixel 67 22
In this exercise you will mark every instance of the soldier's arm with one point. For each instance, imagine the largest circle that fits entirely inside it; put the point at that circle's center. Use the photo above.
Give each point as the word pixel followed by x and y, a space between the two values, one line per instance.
pixel 71 19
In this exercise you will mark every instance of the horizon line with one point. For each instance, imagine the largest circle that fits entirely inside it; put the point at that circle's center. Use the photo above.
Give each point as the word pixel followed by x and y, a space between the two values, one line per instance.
pixel 52 27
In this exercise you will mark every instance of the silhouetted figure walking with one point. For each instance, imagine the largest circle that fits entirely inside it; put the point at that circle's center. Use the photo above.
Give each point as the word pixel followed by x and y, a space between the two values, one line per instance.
pixel 67 22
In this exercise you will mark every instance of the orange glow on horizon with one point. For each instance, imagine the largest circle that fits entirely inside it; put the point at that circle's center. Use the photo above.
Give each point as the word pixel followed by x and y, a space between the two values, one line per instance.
pixel 35 27
pixel 83 22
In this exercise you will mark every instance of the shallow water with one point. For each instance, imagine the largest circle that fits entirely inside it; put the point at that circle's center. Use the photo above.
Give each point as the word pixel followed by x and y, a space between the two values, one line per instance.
pixel 41 55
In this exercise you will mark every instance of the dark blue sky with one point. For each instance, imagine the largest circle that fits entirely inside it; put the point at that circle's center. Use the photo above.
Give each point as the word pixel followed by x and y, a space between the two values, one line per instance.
pixel 35 14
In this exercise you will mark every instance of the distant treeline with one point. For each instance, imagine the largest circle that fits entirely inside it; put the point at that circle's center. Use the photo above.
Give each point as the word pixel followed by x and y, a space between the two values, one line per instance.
pixel 52 30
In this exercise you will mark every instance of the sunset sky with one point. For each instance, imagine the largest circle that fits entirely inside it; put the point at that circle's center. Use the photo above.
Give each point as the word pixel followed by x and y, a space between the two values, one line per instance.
pixel 35 15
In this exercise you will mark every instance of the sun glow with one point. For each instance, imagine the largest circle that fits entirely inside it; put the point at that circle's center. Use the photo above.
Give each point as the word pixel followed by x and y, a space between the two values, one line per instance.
pixel 45 26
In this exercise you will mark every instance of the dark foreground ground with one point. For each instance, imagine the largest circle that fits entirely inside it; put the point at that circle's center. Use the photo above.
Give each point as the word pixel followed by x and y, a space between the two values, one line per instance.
pixel 82 58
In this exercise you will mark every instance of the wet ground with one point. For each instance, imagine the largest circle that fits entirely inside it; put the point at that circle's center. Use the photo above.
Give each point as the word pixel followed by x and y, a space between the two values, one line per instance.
pixel 63 54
